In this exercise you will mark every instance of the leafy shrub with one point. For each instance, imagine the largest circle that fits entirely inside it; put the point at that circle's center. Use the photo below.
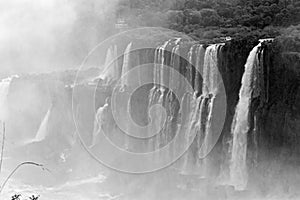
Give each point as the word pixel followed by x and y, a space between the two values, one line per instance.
pixel 18 197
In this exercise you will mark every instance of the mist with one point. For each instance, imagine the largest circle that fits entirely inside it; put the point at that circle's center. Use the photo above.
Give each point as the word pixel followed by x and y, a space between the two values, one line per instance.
pixel 50 35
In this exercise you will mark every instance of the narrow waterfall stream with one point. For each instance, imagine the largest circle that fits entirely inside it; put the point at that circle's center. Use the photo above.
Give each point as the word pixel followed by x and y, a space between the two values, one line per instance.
pixel 43 128
pixel 108 72
pixel 126 65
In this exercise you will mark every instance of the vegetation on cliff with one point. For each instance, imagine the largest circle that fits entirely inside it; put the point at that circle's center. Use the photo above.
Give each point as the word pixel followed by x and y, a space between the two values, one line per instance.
pixel 207 19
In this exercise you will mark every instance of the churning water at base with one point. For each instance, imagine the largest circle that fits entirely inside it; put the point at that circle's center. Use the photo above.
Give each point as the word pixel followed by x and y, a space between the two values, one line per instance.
pixel 240 125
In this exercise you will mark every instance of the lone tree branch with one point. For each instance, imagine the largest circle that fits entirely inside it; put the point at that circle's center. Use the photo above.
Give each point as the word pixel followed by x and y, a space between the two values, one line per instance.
pixel 20 165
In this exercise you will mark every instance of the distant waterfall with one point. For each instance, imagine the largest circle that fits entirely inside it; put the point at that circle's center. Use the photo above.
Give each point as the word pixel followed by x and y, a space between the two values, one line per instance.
pixel 43 129
pixel 126 65
pixel 191 62
pixel 240 125
pixel 198 120
pixel 200 52
pixel 4 88
pixel 159 62
pixel 112 70
pixel 210 89
pixel 175 63
pixel 157 93
pixel 161 59
pixel 188 112
pixel 108 71
pixel 101 119
pixel 171 104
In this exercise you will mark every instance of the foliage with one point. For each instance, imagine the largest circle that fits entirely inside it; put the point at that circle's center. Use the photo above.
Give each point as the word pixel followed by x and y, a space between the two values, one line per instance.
pixel 34 197
pixel 200 17
pixel 18 196
pixel 290 39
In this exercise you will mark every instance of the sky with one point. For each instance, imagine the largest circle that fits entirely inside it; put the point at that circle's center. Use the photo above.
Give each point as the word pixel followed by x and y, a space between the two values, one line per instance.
pixel 48 35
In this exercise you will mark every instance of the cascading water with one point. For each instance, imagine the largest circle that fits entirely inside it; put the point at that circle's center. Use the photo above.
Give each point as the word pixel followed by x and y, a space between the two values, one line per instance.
pixel 240 125
pixel 200 117
pixel 199 68
pixel 101 119
pixel 196 112
pixel 210 89
pixel 43 129
pixel 117 67
pixel 111 71
pixel 108 71
pixel 175 63
pixel 161 62
pixel 188 112
pixel 171 102
pixel 125 82
pixel 157 92
pixel 126 66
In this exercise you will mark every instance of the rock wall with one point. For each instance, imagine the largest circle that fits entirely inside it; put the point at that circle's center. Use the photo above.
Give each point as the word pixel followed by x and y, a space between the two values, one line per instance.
pixel 275 108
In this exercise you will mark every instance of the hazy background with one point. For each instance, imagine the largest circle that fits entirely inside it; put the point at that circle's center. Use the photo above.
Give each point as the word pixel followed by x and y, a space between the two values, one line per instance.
pixel 48 35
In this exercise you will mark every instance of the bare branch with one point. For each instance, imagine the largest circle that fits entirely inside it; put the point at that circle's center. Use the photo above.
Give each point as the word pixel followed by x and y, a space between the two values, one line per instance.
pixel 13 172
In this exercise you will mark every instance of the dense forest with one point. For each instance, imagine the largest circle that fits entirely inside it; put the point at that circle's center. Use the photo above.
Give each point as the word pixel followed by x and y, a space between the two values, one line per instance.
pixel 208 19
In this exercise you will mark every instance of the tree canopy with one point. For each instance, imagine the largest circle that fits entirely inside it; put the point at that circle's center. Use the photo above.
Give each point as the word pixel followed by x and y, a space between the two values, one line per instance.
pixel 264 17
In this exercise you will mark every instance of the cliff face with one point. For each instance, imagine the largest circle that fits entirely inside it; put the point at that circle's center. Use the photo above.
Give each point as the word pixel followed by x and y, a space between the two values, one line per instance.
pixel 274 113
pixel 279 102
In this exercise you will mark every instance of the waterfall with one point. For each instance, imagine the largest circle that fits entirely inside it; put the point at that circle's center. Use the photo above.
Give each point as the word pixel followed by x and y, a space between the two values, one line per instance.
pixel 159 80
pixel 101 119
pixel 157 92
pixel 211 79
pixel 199 68
pixel 117 67
pixel 171 103
pixel 240 124
pixel 4 88
pixel 210 89
pixel 126 66
pixel 199 119
pixel 195 112
pixel 188 111
pixel 111 71
pixel 161 62
pixel 43 129
pixel 175 63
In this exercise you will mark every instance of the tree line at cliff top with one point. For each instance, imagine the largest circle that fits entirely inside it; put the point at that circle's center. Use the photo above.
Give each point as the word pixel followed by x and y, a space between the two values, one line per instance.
pixel 209 19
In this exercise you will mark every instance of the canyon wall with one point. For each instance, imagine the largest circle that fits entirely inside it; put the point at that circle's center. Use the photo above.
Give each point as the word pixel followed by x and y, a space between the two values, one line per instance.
pixel 273 114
